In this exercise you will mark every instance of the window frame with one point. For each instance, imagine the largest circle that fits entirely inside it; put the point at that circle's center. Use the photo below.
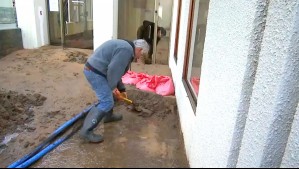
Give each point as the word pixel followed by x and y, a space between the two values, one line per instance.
pixel 177 34
pixel 189 49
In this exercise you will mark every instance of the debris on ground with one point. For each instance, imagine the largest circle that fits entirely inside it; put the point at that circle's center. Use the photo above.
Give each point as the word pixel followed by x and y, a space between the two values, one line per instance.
pixel 76 56
pixel 16 110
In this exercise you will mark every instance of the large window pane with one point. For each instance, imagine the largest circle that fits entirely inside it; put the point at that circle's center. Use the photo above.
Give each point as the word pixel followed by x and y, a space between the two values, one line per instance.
pixel 195 46
pixel 198 39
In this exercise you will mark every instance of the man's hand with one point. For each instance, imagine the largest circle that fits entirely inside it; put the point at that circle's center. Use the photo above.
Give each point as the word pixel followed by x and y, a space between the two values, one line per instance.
pixel 119 95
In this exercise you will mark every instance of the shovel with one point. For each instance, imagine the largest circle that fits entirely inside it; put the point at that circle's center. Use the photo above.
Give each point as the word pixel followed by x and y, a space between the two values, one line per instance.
pixel 133 106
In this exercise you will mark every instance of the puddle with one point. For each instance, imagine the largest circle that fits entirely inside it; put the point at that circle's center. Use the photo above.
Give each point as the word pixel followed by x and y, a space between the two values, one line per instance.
pixel 8 138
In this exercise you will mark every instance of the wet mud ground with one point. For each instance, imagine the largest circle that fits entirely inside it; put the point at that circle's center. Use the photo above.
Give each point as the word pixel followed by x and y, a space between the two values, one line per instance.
pixel 43 88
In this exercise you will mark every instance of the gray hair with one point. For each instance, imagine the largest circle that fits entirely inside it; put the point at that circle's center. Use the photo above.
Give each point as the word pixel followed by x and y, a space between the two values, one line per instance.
pixel 141 43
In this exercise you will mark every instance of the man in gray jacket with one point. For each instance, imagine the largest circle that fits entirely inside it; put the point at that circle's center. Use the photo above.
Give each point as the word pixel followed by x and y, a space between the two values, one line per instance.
pixel 104 70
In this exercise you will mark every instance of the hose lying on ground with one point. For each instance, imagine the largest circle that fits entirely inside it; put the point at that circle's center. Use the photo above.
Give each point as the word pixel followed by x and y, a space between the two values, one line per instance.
pixel 48 149
pixel 56 133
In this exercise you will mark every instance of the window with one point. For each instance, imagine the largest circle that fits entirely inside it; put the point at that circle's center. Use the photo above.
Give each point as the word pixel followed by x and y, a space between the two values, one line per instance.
pixel 194 47
pixel 77 10
pixel 7 12
pixel 177 30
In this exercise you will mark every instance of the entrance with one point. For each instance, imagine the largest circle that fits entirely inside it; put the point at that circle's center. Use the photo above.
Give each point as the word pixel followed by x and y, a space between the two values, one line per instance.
pixel 77 19
pixel 132 14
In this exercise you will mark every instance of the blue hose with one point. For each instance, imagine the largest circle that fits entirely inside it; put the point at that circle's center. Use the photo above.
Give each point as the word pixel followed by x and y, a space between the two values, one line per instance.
pixel 52 136
pixel 46 150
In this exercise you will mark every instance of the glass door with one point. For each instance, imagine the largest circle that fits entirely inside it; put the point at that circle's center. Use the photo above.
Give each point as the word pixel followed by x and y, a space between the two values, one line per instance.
pixel 136 19
pixel 77 23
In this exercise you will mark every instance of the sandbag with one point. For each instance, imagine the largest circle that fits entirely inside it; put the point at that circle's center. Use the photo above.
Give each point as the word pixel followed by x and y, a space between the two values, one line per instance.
pixel 162 85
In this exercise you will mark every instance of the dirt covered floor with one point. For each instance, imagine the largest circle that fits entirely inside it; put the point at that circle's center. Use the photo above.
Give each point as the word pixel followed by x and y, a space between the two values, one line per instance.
pixel 43 88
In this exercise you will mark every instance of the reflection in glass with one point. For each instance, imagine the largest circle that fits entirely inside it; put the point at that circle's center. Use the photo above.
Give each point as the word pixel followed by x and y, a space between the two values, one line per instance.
pixel 197 41
pixel 77 23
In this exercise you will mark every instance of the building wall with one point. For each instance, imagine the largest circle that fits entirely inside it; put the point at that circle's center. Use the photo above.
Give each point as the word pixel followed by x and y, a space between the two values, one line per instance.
pixel 221 83
pixel 33 21
pixel 187 117
pixel 249 85
pixel 103 22
pixel 275 93
pixel 26 22
pixel 290 159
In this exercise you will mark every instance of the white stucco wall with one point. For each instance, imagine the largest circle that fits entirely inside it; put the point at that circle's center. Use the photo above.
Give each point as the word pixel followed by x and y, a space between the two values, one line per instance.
pixel 227 44
pixel 208 135
pixel 34 26
pixel 103 21
pixel 275 92
pixel 186 113
pixel 41 17
pixel 291 158
pixel 249 85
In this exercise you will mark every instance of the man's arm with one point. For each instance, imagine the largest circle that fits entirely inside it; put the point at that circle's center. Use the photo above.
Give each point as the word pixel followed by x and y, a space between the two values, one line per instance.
pixel 121 87
pixel 117 66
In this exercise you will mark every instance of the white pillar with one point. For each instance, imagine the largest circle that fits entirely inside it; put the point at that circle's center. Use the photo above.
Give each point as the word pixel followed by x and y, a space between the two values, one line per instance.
pixel 33 22
pixel 103 26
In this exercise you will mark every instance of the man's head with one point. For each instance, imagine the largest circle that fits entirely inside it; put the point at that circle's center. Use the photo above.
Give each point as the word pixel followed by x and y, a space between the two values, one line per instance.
pixel 141 48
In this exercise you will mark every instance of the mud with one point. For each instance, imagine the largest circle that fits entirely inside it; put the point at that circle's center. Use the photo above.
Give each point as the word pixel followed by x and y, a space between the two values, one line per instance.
pixel 147 104
pixel 16 110
pixel 76 56
pixel 43 88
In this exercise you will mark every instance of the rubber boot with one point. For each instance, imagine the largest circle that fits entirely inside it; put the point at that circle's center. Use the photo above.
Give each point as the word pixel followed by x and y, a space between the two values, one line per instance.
pixel 110 117
pixel 91 121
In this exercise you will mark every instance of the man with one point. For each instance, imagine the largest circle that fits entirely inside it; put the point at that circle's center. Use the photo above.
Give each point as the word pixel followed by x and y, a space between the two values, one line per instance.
pixel 146 32
pixel 104 70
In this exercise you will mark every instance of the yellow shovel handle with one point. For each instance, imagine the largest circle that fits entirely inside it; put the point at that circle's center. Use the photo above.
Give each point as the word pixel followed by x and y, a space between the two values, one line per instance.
pixel 127 100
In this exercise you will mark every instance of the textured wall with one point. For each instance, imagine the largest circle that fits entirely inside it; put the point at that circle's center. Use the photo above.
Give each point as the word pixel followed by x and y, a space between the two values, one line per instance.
pixel 224 66
pixel 208 135
pixel 249 88
pixel 290 160
pixel 275 92
pixel 256 38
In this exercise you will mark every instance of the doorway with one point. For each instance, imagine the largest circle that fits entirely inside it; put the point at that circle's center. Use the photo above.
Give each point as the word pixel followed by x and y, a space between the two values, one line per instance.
pixel 132 14
pixel 77 16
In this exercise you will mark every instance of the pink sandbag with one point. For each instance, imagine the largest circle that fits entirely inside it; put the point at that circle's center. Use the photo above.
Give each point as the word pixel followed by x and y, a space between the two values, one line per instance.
pixel 165 86
pixel 195 83
pixel 147 84
pixel 133 78
pixel 162 85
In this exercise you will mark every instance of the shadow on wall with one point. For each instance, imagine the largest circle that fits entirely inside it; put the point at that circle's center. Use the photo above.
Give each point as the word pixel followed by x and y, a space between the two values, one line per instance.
pixel 11 40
